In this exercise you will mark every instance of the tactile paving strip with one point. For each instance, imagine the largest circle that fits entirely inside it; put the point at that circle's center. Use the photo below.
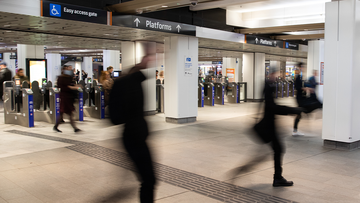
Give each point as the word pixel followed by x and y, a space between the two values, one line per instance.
pixel 209 187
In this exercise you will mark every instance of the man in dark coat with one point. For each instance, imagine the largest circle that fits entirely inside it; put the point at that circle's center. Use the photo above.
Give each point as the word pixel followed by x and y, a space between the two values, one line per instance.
pixel 5 75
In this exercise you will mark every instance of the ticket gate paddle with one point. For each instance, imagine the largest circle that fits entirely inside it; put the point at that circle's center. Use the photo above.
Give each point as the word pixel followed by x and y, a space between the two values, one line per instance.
pixel 291 89
pixel 233 93
pixel 286 89
pixel 209 94
pixel 18 104
pixel 280 89
pixel 242 88
pixel 220 93
pixel 201 95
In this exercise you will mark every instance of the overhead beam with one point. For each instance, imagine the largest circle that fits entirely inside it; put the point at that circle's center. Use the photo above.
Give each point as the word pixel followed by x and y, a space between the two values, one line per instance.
pixel 221 4
pixel 288 28
pixel 299 37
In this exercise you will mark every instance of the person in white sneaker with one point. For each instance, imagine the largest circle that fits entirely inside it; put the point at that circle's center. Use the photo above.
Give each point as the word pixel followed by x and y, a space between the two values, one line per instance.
pixel 299 98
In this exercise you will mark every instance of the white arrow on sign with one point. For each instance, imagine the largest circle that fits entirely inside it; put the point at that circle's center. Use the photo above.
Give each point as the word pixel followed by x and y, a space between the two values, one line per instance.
pixel 178 27
pixel 137 21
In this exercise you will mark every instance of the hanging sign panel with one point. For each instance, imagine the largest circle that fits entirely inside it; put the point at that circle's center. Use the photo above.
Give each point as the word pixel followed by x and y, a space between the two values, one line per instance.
pixel 154 25
pixel 71 12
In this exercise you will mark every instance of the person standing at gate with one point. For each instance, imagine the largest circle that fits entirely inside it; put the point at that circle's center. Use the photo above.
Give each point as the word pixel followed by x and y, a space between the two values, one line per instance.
pixel 5 75
pixel 20 75
pixel 67 98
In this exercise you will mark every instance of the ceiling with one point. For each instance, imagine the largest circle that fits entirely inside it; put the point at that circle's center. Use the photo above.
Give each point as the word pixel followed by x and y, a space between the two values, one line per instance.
pixel 68 37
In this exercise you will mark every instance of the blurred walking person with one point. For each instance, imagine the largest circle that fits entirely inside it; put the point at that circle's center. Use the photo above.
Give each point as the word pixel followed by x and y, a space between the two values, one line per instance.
pixel 5 75
pixel 300 97
pixel 266 131
pixel 67 98
pixel 126 107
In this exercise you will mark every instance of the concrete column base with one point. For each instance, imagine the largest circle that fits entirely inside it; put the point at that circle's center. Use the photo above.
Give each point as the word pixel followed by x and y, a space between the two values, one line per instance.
pixel 181 120
pixel 150 113
pixel 342 145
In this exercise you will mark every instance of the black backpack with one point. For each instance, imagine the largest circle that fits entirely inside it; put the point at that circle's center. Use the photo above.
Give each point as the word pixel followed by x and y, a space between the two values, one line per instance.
pixel 118 101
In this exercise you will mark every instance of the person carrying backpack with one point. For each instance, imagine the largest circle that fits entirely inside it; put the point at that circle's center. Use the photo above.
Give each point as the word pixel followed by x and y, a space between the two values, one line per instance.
pixel 126 107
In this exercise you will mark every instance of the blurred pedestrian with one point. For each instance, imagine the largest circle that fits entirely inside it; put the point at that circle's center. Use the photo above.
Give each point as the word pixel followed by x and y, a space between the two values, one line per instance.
pixel 67 98
pixel 5 75
pixel 267 131
pixel 127 106
pixel 107 84
pixel 84 75
pixel 110 69
pixel 20 75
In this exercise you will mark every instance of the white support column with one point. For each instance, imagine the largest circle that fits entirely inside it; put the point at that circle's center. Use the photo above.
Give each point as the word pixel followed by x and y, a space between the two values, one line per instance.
pixel 181 92
pixel 248 71
pixel 53 66
pixel 239 70
pixel 28 51
pixel 11 63
pixel 149 85
pixel 231 64
pixel 87 66
pixel 259 76
pixel 314 60
pixel 341 108
pixel 111 58
pixel 127 56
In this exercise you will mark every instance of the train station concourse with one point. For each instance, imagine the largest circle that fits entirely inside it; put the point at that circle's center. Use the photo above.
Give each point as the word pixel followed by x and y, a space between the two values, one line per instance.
pixel 179 101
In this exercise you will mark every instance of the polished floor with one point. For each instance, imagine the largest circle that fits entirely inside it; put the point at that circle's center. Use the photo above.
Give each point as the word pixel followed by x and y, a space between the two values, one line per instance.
pixel 193 162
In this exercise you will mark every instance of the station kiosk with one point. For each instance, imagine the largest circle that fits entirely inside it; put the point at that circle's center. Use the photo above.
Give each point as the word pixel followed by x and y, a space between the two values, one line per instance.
pixel 18 104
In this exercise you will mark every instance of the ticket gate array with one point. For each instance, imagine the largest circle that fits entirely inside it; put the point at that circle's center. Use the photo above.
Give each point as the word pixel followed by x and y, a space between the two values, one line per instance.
pixel 18 104
pixel 94 105
pixel 160 98
pixel 284 89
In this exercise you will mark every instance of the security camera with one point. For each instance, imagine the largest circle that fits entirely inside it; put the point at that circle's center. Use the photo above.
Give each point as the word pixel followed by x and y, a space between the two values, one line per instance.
pixel 193 2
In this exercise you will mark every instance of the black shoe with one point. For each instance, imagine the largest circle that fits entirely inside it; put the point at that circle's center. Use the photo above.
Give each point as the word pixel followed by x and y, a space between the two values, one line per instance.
pixel 57 130
pixel 62 121
pixel 77 130
pixel 282 182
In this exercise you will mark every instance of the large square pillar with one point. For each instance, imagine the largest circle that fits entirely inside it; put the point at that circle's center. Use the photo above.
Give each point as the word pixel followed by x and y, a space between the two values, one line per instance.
pixel 111 58
pixel 248 73
pixel 341 109
pixel 53 66
pixel 181 84
pixel 87 66
pixel 28 51
pixel 259 76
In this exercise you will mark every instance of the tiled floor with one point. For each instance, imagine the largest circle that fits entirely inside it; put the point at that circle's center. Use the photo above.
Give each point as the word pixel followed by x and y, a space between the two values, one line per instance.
pixel 36 169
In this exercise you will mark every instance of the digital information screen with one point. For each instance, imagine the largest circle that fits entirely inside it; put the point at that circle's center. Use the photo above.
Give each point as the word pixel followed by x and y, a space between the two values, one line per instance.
pixel 116 74
pixel 36 70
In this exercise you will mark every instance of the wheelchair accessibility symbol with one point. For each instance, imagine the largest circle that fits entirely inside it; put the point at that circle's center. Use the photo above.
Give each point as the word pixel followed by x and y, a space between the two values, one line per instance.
pixel 55 10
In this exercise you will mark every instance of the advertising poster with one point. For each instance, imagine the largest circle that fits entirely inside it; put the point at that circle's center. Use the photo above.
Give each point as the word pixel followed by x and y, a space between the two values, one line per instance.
pixel 230 73
pixel 37 71
pixel 322 73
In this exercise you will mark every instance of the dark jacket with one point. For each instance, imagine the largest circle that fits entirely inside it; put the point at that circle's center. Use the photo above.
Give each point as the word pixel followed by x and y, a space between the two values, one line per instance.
pixel 66 94
pixel 298 88
pixel 5 75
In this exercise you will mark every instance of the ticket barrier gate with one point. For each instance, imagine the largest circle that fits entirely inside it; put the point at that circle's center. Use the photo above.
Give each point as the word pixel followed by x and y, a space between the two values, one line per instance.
pixel 160 98
pixel 242 88
pixel 18 104
pixel 220 93
pixel 94 108
pixel 233 93
pixel 280 89
pixel 209 90
pixel 286 89
pixel 201 95
pixel 291 88
pixel 46 102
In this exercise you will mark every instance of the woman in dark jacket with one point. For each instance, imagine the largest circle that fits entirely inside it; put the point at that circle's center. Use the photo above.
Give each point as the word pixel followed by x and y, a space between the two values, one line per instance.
pixel 65 83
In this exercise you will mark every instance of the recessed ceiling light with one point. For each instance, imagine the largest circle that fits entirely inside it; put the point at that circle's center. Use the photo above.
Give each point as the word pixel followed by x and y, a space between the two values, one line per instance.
pixel 164 6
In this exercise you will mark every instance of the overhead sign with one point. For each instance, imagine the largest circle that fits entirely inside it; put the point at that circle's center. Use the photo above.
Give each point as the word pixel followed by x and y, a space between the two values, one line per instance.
pixel 154 25
pixel 13 56
pixel 251 39
pixel 290 45
pixel 72 58
pixel 1 55
pixel 71 12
